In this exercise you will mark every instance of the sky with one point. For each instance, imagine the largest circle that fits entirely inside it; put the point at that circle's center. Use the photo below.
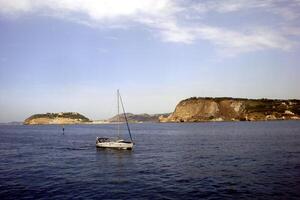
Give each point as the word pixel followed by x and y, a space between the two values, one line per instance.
pixel 72 55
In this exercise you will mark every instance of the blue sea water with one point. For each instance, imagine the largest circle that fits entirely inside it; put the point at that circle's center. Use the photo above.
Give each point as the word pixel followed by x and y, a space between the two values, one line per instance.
pixel 216 160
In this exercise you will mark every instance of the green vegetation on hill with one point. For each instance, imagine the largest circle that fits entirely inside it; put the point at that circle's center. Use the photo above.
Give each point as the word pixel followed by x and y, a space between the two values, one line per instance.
pixel 49 118
pixel 71 115
pixel 269 106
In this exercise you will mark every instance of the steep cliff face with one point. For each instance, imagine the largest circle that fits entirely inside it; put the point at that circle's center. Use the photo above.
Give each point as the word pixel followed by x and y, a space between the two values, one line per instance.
pixel 233 109
pixel 56 118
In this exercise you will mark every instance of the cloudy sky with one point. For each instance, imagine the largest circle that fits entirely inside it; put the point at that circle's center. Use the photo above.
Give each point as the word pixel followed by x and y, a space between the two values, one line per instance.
pixel 72 55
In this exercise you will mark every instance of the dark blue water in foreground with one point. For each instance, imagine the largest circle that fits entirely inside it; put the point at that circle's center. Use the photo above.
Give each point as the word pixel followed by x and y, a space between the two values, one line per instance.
pixel 231 160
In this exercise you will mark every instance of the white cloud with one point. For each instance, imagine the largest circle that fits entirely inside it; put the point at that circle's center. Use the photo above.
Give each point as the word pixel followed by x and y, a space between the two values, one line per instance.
pixel 228 6
pixel 95 9
pixel 14 6
pixel 240 42
pixel 172 20
pixel 228 42
pixel 287 9
pixel 169 30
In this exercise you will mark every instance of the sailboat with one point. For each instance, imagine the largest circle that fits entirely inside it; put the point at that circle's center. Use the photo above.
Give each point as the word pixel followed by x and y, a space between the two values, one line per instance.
pixel 117 143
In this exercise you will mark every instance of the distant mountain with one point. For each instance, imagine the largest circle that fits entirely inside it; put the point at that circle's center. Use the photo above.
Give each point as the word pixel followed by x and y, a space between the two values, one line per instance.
pixel 11 123
pixel 57 118
pixel 76 118
pixel 135 118
pixel 233 109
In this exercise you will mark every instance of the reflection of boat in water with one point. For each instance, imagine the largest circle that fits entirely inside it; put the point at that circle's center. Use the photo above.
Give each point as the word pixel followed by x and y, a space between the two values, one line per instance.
pixel 116 143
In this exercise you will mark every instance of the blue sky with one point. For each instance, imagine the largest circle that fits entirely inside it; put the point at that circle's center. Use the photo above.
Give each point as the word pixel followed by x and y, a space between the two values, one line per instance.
pixel 72 55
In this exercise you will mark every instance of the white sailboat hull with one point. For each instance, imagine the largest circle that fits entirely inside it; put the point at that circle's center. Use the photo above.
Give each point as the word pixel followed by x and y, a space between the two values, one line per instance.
pixel 118 144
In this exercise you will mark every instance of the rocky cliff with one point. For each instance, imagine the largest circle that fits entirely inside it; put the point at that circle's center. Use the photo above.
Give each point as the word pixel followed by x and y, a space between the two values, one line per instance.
pixel 57 118
pixel 233 109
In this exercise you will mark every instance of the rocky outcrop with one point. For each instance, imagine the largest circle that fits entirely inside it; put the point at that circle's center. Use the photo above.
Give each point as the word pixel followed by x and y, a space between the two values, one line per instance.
pixel 57 118
pixel 233 109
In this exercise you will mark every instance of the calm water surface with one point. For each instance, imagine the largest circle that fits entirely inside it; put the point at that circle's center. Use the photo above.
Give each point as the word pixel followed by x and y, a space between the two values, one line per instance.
pixel 170 161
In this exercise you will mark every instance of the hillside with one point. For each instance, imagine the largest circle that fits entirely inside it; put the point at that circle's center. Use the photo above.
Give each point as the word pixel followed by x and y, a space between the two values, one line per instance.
pixel 233 109
pixel 135 118
pixel 57 118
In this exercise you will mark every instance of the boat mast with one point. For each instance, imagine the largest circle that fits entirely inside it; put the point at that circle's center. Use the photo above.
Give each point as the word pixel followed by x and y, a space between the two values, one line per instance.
pixel 118 122
pixel 125 117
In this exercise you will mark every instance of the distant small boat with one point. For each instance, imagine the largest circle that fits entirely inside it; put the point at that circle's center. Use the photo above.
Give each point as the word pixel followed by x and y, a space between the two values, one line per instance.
pixel 117 143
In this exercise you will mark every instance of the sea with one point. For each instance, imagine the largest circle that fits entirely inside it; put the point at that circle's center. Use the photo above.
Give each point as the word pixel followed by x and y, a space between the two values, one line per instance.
pixel 210 160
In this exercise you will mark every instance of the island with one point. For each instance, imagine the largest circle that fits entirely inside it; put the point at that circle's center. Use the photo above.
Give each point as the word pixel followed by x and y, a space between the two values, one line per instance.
pixel 198 109
pixel 57 118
